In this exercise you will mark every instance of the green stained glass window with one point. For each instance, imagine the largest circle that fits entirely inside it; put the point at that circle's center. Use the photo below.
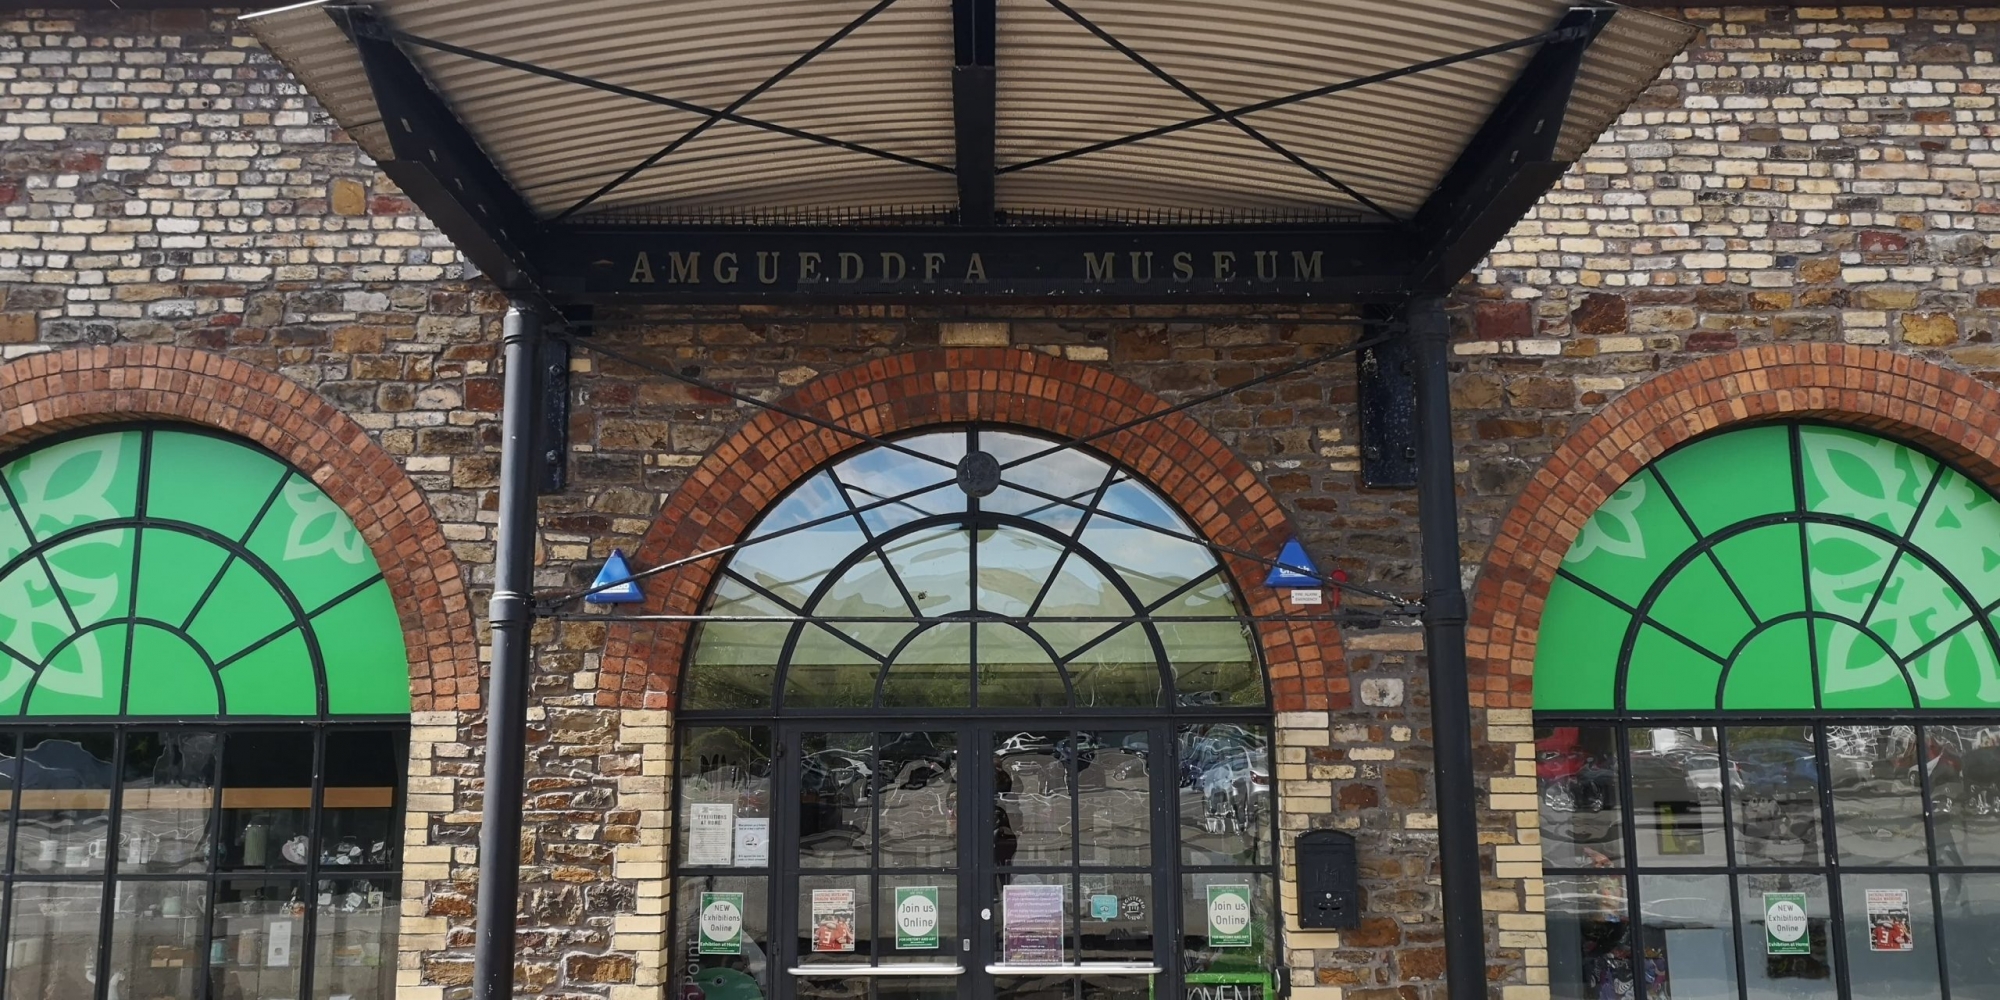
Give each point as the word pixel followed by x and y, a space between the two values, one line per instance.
pixel 166 572
pixel 1780 567
pixel 1071 584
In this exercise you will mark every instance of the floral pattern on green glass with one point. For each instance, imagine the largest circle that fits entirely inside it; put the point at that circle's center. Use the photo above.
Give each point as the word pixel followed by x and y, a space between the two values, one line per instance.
pixel 916 573
pixel 1792 566
pixel 160 572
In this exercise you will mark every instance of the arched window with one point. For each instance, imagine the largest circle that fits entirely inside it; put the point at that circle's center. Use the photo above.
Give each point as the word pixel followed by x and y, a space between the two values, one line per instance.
pixel 1768 706
pixel 895 641
pixel 204 701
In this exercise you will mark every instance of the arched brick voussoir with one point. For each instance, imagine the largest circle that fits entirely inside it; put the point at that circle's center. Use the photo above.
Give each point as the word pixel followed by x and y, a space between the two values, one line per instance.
pixel 61 390
pixel 1869 388
pixel 751 469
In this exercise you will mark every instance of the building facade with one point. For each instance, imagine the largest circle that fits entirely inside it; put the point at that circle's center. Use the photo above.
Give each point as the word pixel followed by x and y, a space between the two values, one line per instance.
pixel 1729 442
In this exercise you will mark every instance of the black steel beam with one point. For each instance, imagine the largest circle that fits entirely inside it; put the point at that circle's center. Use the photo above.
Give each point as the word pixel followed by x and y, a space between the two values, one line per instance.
pixel 1136 264
pixel 1444 648
pixel 438 163
pixel 1509 164
pixel 973 97
pixel 511 616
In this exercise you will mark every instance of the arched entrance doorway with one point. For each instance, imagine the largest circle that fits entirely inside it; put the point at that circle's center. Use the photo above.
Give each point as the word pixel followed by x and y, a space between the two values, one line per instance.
pixel 945 737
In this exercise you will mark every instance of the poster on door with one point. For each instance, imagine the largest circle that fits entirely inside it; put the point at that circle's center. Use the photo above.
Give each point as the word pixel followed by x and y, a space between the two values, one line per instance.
pixel 916 917
pixel 711 833
pixel 1889 920
pixel 1785 924
pixel 1229 916
pixel 1032 917
pixel 833 919
pixel 720 924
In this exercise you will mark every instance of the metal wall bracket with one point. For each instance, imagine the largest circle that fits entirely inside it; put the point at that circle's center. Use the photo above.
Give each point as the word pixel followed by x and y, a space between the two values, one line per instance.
pixel 1386 385
pixel 552 433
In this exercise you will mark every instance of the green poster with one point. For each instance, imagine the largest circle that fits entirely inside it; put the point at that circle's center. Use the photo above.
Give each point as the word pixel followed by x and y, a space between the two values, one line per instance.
pixel 721 924
pixel 1785 924
pixel 916 917
pixel 1229 916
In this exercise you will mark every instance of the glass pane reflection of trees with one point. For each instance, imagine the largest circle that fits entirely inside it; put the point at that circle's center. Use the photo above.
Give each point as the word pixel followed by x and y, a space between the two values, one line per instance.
pixel 1726 822
pixel 152 863
pixel 894 538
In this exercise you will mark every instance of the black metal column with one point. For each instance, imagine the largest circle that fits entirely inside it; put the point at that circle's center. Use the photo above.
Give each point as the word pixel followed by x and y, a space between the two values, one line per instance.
pixel 1444 647
pixel 511 616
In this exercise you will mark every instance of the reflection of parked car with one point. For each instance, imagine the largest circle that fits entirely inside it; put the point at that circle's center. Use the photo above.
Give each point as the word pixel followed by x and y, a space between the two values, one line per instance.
pixel 1660 778
pixel 1778 770
pixel 1704 772
pixel 1237 787
pixel 1572 779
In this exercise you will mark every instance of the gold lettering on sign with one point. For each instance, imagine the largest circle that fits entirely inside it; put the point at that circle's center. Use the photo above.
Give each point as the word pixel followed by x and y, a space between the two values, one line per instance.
pixel 1100 266
pixel 642 270
pixel 902 267
pixel 1184 266
pixel 684 270
pixel 1225 265
pixel 1303 267
pixel 808 268
pixel 767 267
pixel 1142 266
pixel 851 268
pixel 1267 265
pixel 932 263
pixel 975 271
pixel 725 268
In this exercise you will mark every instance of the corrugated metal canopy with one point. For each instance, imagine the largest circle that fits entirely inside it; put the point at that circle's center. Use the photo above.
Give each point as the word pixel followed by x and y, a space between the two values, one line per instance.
pixel 844 110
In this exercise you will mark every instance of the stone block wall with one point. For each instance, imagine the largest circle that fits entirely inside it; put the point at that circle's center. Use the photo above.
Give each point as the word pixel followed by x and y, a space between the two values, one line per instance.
pixel 1802 176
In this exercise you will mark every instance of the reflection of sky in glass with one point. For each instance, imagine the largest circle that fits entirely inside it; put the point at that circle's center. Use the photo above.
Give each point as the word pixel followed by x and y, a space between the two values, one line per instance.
pixel 1022 572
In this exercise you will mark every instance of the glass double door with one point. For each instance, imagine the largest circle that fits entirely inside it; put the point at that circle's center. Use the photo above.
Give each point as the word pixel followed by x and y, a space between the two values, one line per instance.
pixel 949 862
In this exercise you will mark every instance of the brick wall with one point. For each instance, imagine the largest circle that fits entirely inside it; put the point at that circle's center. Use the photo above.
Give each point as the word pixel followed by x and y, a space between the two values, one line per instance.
pixel 1802 176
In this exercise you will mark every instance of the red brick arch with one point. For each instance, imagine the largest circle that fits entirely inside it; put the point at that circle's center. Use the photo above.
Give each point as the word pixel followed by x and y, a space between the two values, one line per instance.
pixel 46 393
pixel 750 470
pixel 1951 414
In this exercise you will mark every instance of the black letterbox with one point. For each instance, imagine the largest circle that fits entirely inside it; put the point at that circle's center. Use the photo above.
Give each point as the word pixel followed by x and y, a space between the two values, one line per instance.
pixel 1329 881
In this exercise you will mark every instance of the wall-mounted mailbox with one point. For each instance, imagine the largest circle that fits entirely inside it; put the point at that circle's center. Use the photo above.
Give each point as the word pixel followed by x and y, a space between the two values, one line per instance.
pixel 1329 881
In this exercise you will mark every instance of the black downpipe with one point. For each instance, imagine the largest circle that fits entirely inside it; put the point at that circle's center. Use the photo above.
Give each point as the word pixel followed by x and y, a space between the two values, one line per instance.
pixel 511 616
pixel 1444 648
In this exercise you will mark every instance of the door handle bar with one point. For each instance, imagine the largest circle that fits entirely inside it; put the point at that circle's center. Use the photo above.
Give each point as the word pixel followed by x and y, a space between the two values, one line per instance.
pixel 1077 969
pixel 817 971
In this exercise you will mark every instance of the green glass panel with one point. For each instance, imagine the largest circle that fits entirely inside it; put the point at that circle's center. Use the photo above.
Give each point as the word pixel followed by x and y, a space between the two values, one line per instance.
pixel 1213 663
pixel 1767 565
pixel 32 619
pixel 276 679
pixel 1734 477
pixel 1916 607
pixel 1773 671
pixel 1847 568
pixel 1080 590
pixel 1859 475
pixel 1961 672
pixel 865 590
pixel 15 676
pixel 1013 567
pixel 1576 656
pixel 826 672
pixel 1699 605
pixel 1855 671
pixel 367 666
pixel 933 671
pixel 734 665
pixel 1016 672
pixel 174 571
pixel 77 482
pixel 13 539
pixel 1631 540
pixel 315 549
pixel 1668 674
pixel 94 570
pixel 87 677
pixel 734 599
pixel 169 677
pixel 243 609
pixel 1211 598
pixel 181 482
pixel 1960 528
pixel 884 638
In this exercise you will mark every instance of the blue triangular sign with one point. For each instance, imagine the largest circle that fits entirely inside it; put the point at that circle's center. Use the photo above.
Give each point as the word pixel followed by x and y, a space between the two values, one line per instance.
pixel 616 571
pixel 1293 567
